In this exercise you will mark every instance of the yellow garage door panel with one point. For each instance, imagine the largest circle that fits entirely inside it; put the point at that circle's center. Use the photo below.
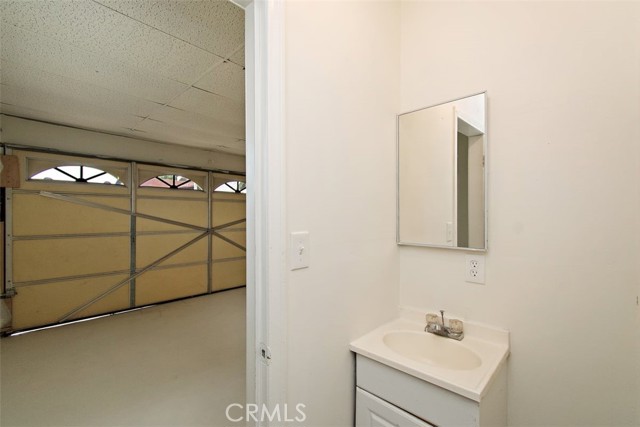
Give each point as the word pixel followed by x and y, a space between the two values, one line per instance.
pixel 171 283
pixel 43 304
pixel 44 259
pixel 37 215
pixel 151 248
pixel 221 196
pixel 229 274
pixel 222 249
pixel 225 212
pixel 240 237
pixel 192 212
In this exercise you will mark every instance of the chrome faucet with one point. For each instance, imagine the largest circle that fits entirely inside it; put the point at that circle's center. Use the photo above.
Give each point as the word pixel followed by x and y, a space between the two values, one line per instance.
pixel 436 325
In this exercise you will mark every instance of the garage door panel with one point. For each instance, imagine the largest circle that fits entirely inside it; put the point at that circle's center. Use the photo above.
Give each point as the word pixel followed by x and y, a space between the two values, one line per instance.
pixel 222 249
pixel 44 304
pixel 226 212
pixel 171 283
pixel 151 248
pixel 239 236
pixel 229 274
pixel 38 215
pixel 45 259
pixel 192 212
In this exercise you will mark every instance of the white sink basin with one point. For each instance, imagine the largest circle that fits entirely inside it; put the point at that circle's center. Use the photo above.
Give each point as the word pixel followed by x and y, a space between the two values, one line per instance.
pixel 431 349
pixel 464 367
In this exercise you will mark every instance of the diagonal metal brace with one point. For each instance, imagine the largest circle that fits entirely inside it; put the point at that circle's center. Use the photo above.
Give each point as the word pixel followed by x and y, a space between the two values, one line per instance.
pixel 90 204
pixel 228 240
pixel 205 232
pixel 133 276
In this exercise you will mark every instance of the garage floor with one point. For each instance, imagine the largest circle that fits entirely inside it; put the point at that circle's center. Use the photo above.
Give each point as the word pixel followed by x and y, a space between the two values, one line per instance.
pixel 179 364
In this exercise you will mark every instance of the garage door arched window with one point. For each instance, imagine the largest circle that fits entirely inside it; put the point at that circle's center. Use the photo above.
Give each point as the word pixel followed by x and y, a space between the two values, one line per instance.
pixel 77 173
pixel 173 182
pixel 232 187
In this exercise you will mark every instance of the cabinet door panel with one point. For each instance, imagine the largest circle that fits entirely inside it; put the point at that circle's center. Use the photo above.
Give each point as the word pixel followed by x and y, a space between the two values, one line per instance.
pixel 372 411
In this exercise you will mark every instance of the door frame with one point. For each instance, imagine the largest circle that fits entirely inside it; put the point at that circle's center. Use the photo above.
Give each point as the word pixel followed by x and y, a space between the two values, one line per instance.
pixel 266 223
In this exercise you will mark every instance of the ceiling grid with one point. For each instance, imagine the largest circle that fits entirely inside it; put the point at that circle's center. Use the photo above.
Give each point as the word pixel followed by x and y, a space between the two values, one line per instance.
pixel 164 70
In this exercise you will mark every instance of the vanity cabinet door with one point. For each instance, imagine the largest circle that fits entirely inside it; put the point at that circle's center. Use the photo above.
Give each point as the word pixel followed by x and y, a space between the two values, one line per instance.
pixel 372 411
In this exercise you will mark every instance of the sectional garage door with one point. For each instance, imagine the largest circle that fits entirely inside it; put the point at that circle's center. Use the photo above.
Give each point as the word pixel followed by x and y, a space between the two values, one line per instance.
pixel 88 236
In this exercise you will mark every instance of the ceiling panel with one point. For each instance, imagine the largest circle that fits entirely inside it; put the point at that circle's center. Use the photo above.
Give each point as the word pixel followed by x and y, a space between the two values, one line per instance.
pixel 197 121
pixel 98 29
pixel 153 129
pixel 59 87
pixel 226 79
pixel 57 111
pixel 238 57
pixel 39 52
pixel 160 53
pixel 35 100
pixel 209 104
pixel 108 64
pixel 84 24
pixel 216 26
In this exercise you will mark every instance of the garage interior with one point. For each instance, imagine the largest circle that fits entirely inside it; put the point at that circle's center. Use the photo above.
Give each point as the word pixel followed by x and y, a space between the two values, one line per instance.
pixel 123 140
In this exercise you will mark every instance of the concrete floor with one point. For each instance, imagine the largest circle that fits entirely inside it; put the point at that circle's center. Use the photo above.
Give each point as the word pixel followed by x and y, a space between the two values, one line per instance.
pixel 178 364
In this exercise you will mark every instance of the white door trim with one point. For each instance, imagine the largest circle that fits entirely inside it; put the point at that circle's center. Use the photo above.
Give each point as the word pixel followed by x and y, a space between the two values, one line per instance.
pixel 266 226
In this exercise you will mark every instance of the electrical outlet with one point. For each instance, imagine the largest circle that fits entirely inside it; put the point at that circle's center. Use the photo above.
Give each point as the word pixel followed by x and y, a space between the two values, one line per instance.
pixel 474 269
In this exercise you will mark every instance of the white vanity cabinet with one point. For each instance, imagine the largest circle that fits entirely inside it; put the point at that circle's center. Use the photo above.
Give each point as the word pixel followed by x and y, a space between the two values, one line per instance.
pixel 388 397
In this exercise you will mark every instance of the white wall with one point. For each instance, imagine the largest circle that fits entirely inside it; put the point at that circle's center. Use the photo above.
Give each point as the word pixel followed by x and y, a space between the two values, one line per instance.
pixel 562 268
pixel 341 100
pixel 73 140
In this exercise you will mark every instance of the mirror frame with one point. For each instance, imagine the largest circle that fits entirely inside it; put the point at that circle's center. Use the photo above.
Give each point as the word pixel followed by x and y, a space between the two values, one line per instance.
pixel 485 175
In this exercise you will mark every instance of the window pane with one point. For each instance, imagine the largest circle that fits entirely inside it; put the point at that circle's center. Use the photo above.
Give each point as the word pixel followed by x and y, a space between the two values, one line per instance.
pixel 52 175
pixel 77 174
pixel 232 187
pixel 172 182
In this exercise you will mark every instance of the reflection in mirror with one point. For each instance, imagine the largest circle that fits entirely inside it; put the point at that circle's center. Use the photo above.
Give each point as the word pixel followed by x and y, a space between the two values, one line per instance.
pixel 442 176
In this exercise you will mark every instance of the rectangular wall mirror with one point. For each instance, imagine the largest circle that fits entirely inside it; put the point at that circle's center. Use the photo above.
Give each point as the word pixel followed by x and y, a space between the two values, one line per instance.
pixel 442 175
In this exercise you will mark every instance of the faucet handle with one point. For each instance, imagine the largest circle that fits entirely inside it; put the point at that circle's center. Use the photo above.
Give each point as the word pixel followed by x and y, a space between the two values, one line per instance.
pixel 456 326
pixel 432 318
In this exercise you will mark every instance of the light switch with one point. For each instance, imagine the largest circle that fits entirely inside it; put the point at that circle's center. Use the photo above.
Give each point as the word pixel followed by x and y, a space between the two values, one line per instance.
pixel 299 250
pixel 449 231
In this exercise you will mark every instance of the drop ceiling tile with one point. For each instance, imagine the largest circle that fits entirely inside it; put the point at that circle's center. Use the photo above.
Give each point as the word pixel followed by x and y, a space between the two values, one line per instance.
pixel 20 103
pixel 188 136
pixel 206 124
pixel 238 57
pixel 43 53
pixel 187 63
pixel 160 53
pixel 84 24
pixel 216 26
pixel 226 79
pixel 55 86
pixel 212 105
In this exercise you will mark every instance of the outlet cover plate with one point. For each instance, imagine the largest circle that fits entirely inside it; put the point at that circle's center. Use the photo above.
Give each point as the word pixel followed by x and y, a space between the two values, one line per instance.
pixel 474 269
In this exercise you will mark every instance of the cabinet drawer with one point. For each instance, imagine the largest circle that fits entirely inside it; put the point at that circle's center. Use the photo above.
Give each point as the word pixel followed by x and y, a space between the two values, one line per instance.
pixel 427 401
pixel 372 411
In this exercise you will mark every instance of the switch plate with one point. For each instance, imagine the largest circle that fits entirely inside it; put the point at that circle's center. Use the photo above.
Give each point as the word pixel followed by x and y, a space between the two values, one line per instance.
pixel 449 231
pixel 474 269
pixel 299 250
